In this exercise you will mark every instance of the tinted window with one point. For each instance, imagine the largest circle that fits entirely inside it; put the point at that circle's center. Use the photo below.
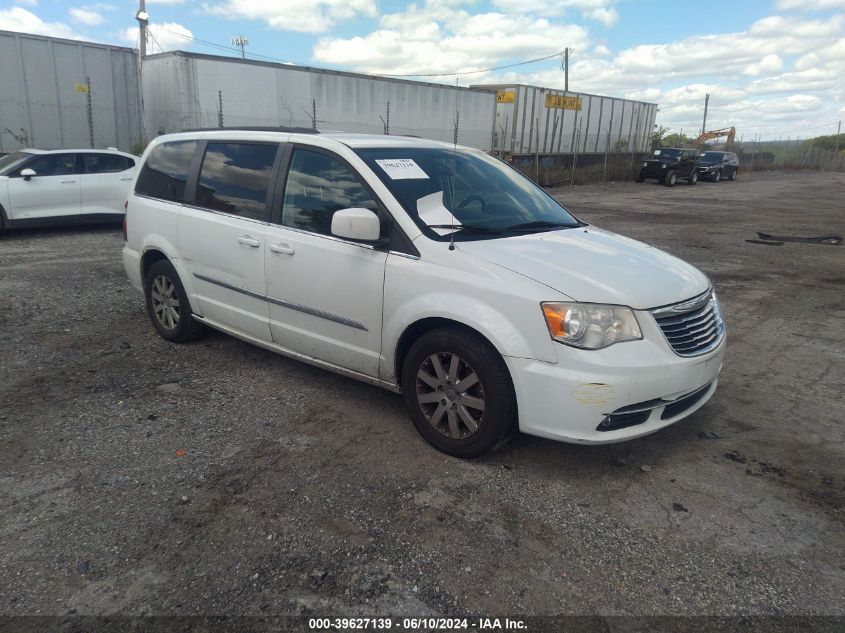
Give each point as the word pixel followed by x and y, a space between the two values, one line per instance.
pixel 51 165
pixel 105 163
pixel 317 186
pixel 166 171
pixel 9 161
pixel 235 178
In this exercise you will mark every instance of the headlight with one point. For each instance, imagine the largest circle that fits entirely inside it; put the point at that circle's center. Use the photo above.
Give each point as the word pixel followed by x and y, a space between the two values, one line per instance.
pixel 589 325
pixel 662 165
pixel 645 164
pixel 717 309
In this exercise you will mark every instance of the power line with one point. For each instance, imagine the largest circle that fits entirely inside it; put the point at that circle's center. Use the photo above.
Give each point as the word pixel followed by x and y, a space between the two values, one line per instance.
pixel 281 61
pixel 475 72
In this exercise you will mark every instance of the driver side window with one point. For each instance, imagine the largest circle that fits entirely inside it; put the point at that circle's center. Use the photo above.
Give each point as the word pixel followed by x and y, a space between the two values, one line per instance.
pixel 317 186
pixel 51 165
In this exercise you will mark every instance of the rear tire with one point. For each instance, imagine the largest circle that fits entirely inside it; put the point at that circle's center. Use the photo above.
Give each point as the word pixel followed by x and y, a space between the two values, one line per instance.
pixel 670 178
pixel 733 175
pixel 168 306
pixel 693 178
pixel 458 392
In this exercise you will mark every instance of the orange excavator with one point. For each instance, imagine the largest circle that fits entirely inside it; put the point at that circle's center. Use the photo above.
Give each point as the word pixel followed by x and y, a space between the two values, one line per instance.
pixel 729 132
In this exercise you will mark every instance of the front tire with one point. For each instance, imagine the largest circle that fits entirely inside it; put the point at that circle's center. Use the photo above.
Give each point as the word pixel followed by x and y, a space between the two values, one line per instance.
pixel 733 175
pixel 640 178
pixel 670 179
pixel 168 306
pixel 458 392
pixel 717 176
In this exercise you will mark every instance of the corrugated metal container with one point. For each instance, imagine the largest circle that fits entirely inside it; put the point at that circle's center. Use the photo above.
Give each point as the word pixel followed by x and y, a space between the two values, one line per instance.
pixel 188 90
pixel 530 119
pixel 41 104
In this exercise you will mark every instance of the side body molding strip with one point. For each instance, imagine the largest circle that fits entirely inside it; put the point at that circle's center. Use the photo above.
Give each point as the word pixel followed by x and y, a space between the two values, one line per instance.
pixel 287 304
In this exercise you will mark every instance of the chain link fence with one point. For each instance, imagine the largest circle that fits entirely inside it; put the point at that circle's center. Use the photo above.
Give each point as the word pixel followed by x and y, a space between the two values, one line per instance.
pixel 774 155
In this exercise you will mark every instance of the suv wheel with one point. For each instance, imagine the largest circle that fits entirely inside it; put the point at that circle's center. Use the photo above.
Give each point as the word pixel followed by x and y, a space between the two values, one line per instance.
pixel 640 177
pixel 670 178
pixel 458 392
pixel 717 176
pixel 168 306
pixel 693 178
pixel 733 175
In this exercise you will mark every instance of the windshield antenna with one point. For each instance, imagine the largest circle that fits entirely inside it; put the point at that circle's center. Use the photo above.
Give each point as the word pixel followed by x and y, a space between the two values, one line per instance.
pixel 454 171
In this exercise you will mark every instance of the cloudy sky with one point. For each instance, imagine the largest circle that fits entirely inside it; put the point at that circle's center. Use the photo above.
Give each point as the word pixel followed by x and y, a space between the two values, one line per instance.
pixel 773 67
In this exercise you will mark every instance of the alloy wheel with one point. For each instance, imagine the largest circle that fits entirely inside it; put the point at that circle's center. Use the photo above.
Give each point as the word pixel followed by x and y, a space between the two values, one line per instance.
pixel 165 302
pixel 450 395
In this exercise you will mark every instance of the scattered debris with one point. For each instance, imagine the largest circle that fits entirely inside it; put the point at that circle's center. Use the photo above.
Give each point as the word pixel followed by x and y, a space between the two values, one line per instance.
pixel 679 507
pixel 822 239
pixel 83 567
pixel 709 435
pixel 645 468
pixel 181 452
pixel 736 456
pixel 152 416
pixel 766 242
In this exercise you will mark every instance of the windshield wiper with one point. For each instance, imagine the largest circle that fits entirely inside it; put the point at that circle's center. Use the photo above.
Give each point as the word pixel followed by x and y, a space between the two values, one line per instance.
pixel 469 228
pixel 540 224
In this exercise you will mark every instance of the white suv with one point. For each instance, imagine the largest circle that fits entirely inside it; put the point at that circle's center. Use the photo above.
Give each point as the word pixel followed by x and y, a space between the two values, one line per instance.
pixel 74 185
pixel 431 270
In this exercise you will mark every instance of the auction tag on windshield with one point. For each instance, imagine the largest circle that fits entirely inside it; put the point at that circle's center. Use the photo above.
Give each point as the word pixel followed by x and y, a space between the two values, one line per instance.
pixel 401 169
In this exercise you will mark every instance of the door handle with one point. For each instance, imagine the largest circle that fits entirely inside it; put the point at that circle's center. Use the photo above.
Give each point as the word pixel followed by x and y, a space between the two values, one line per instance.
pixel 67 182
pixel 283 249
pixel 130 178
pixel 249 241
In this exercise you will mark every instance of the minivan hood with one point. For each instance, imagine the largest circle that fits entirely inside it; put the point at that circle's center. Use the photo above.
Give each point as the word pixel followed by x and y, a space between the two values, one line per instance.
pixel 591 265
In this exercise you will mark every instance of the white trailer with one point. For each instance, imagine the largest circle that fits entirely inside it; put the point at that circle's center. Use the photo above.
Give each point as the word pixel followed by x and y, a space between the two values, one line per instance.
pixel 189 90
pixel 532 119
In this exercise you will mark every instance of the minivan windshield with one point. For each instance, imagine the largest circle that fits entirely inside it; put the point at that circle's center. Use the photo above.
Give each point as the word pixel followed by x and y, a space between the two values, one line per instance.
pixel 482 197
pixel 10 161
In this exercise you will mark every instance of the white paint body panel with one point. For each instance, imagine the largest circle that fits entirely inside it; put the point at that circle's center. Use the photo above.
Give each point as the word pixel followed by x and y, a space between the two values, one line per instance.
pixel 492 286
pixel 105 193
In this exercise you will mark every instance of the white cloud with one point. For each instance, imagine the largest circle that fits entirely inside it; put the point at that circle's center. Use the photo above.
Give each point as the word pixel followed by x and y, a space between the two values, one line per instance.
pixel 598 10
pixel 27 3
pixel 168 36
pixel 809 5
pixel 18 19
pixel 86 16
pixel 769 64
pixel 437 38
pixel 308 16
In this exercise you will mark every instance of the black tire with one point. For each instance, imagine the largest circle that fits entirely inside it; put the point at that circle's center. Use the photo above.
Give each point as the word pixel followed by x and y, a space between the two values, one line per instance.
pixel 717 176
pixel 670 178
pixel 496 423
pixel 184 328
pixel 693 178
pixel 733 175
pixel 640 178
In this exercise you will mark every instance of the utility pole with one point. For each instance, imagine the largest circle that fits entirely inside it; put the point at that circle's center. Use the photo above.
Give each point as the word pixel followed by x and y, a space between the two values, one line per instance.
pixel 143 22
pixel 838 132
pixel 240 41
pixel 566 69
pixel 704 123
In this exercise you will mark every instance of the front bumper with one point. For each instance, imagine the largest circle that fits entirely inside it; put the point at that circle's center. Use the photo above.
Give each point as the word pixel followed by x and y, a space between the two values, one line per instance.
pixel 570 400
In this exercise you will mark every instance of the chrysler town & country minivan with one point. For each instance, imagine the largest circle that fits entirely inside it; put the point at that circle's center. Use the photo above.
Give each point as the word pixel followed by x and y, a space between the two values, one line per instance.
pixel 433 270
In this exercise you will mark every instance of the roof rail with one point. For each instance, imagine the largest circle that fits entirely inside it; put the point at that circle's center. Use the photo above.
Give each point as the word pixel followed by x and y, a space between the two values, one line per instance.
pixel 255 128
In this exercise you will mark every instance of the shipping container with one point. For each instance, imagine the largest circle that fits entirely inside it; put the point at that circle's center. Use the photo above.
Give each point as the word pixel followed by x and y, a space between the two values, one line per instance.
pixel 59 93
pixel 189 90
pixel 536 120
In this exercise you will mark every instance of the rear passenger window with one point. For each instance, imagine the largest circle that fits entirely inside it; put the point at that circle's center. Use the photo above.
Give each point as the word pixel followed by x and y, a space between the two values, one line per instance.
pixel 317 186
pixel 165 172
pixel 105 163
pixel 235 178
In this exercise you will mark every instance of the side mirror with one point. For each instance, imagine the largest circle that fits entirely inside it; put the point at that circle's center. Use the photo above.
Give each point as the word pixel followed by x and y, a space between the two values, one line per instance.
pixel 356 224
pixel 28 173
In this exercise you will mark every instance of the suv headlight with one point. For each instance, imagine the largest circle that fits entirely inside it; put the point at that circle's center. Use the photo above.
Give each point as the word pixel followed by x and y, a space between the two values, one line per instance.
pixel 645 164
pixel 590 325
pixel 663 165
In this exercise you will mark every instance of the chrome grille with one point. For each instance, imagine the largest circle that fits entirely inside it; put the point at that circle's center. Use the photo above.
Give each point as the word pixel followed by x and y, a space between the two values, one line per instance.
pixel 692 327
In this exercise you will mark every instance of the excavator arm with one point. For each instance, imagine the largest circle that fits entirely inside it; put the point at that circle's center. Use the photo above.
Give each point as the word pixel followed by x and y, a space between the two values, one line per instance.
pixel 729 132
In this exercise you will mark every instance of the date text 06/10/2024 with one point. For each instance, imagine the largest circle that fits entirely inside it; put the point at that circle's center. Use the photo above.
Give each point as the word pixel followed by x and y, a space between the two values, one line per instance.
pixel 416 624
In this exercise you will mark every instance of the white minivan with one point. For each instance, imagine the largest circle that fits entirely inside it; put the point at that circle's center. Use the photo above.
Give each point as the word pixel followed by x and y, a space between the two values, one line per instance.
pixel 429 269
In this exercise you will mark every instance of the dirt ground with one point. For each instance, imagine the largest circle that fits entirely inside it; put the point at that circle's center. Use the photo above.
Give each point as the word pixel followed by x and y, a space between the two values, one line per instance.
pixel 140 477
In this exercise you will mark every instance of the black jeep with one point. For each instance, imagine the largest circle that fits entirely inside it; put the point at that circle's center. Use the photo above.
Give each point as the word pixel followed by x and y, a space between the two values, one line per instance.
pixel 668 164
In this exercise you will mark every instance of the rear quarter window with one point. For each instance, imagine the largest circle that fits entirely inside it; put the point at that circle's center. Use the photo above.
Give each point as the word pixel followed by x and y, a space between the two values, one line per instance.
pixel 165 172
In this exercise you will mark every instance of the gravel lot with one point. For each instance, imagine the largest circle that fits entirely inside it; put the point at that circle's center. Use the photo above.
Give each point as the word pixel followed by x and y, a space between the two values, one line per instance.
pixel 141 477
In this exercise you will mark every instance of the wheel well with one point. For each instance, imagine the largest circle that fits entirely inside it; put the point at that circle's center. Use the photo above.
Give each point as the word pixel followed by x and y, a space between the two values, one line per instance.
pixel 417 329
pixel 149 258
